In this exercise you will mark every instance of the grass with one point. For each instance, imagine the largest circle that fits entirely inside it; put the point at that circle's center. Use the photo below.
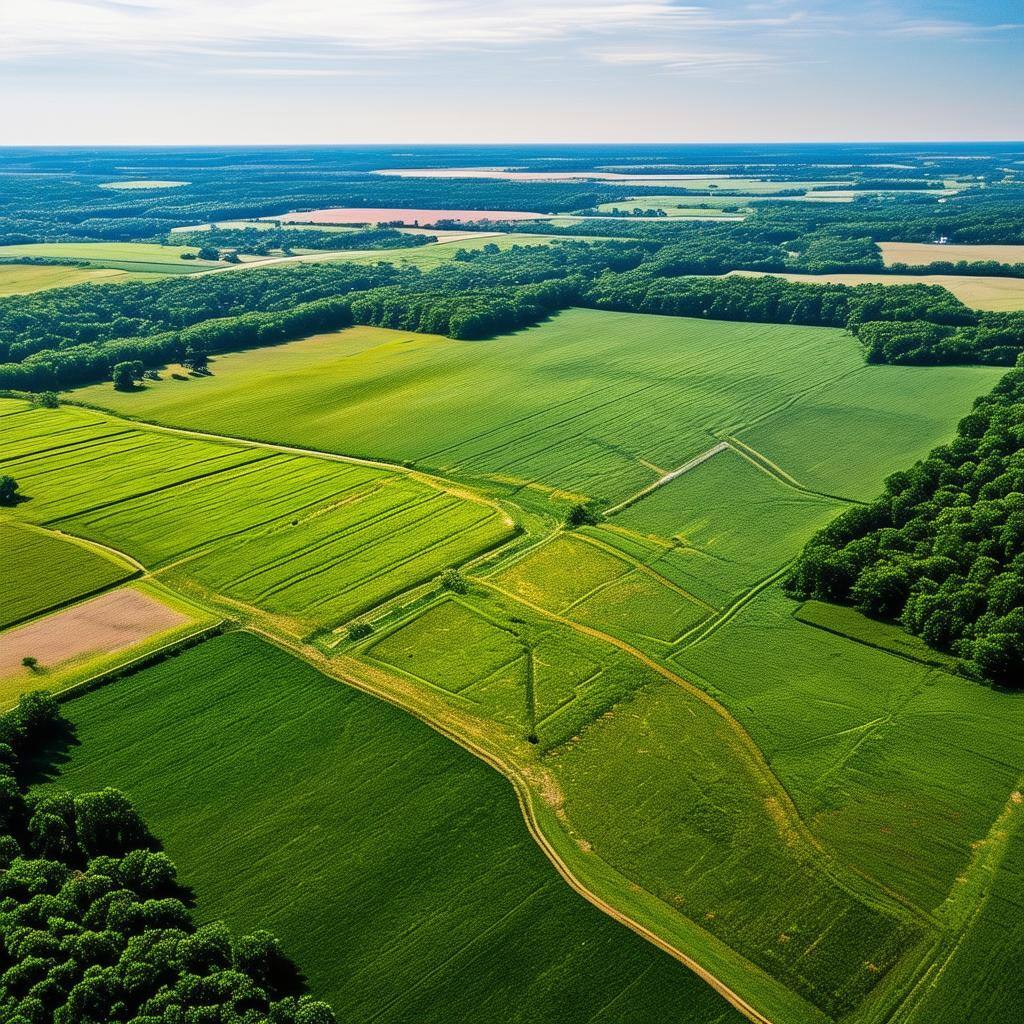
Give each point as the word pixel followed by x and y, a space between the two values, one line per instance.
pixel 21 279
pixel 311 540
pixel 897 766
pixel 42 571
pixel 1002 294
pixel 848 622
pixel 588 403
pixel 747 521
pixel 139 257
pixel 456 915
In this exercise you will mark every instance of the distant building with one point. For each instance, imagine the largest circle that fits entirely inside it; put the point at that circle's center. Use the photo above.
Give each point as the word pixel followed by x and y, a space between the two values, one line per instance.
pixel 942 240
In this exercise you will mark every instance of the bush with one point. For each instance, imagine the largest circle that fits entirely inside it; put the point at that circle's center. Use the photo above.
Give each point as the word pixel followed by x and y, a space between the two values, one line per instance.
pixel 453 580
pixel 359 630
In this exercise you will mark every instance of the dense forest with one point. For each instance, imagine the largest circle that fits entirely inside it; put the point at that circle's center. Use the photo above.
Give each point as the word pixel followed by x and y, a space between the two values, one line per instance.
pixel 261 241
pixel 94 925
pixel 941 551
pixel 58 339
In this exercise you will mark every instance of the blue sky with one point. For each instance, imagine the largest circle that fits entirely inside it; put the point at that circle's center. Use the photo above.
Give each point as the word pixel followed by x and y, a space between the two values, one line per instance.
pixel 294 71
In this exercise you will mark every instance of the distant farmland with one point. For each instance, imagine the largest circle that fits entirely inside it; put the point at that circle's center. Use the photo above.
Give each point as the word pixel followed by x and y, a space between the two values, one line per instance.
pixel 382 215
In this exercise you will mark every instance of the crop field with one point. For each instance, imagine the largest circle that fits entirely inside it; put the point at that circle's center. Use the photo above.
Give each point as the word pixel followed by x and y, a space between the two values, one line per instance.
pixel 40 571
pixel 898 766
pixel 553 408
pixel 1003 294
pixel 475 652
pixel 426 923
pixel 138 257
pixel 920 253
pixel 302 537
pixel 20 279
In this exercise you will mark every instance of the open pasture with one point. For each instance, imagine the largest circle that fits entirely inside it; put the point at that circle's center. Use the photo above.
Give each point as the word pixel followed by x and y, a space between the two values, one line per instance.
pixel 1001 294
pixel 314 540
pixel 916 254
pixel 137 257
pixel 456 915
pixel 40 571
pixel 593 403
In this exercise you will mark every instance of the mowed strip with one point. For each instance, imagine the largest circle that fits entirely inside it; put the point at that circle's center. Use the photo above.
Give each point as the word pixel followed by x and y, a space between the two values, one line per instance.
pixel 102 625
pixel 313 539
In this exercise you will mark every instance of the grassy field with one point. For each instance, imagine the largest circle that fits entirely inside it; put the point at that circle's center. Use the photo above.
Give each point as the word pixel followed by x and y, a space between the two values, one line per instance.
pixel 138 257
pixel 556 408
pixel 456 915
pixel 920 253
pixel 657 785
pixel 40 571
pixel 20 279
pixel 312 540
pixel 1003 294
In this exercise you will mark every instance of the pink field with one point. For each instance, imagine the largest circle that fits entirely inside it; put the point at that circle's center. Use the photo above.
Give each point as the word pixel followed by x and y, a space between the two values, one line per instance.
pixel 381 215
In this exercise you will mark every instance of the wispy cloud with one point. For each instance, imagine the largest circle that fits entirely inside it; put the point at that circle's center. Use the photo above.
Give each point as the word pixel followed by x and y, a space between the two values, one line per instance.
pixel 705 62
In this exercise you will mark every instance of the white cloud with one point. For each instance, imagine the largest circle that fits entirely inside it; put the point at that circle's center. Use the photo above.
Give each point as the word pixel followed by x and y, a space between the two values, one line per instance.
pixel 690 61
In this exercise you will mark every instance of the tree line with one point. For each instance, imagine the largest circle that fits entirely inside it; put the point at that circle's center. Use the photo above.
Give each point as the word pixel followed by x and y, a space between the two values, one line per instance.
pixel 941 550
pixel 261 241
pixel 94 927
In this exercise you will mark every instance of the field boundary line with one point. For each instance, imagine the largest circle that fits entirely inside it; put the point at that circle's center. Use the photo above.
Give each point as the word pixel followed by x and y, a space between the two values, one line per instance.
pixel 525 797
pixel 668 478
pixel 763 463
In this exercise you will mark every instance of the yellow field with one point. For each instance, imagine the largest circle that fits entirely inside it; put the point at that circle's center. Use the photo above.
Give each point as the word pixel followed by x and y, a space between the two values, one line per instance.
pixel 920 253
pixel 1001 294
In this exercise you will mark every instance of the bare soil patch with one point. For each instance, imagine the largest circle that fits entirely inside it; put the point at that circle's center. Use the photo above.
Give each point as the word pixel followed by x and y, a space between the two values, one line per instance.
pixel 103 625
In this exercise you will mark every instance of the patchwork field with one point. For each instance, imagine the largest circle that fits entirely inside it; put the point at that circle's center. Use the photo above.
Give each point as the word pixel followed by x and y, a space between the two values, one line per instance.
pixel 992 293
pixel 920 253
pixel 457 915
pixel 40 571
pixel 138 257
pixel 302 537
pixel 589 403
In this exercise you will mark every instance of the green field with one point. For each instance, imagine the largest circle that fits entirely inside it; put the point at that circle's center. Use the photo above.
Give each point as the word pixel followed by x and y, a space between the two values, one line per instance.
pixel 136 257
pixel 39 571
pixel 20 279
pixel 591 403
pixel 453 915
pixel 314 541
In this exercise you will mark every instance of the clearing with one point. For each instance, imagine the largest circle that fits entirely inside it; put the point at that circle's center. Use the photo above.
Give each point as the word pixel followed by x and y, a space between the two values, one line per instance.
pixel 1000 294
pixel 391 215
pixel 140 257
